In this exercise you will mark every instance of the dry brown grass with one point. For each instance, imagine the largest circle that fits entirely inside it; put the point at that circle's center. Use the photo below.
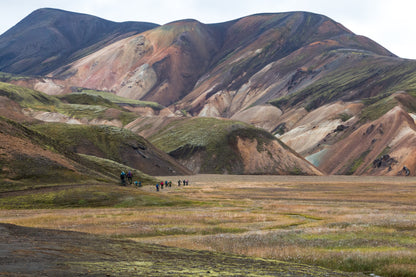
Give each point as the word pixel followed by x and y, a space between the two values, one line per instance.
pixel 350 223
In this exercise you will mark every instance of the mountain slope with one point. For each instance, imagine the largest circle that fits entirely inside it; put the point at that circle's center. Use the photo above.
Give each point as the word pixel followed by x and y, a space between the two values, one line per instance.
pixel 28 158
pixel 371 137
pixel 107 142
pixel 209 145
pixel 49 38
pixel 159 65
pixel 393 136
pixel 119 145
pixel 221 69
pixel 269 56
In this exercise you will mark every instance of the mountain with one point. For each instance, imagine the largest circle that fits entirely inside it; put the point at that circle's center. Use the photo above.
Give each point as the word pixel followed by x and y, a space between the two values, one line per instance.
pixel 301 76
pixel 160 65
pixel 192 65
pixel 49 38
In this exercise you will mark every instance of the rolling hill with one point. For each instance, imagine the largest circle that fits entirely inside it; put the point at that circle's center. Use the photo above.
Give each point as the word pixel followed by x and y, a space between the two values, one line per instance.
pixel 23 133
pixel 229 147
pixel 112 143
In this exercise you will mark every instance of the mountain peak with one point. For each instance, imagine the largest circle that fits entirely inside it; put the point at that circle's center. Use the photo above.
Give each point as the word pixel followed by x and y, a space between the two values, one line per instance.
pixel 48 38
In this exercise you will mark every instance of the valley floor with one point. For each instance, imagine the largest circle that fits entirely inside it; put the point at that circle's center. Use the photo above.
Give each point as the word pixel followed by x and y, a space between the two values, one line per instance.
pixel 357 224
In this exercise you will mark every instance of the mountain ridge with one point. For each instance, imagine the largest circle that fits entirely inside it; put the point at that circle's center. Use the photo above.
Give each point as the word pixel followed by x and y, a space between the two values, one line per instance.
pixel 56 37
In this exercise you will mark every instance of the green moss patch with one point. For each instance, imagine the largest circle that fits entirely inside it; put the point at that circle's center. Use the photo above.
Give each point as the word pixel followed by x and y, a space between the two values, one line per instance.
pixel 29 98
pixel 88 196
pixel 107 141
pixel 88 95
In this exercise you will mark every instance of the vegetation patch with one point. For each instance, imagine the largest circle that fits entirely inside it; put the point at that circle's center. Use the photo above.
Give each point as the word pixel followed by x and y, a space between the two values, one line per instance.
pixel 338 222
pixel 113 98
pixel 88 99
pixel 106 141
pixel 89 196
pixel 377 109
pixel 29 98
pixel 357 163
pixel 344 116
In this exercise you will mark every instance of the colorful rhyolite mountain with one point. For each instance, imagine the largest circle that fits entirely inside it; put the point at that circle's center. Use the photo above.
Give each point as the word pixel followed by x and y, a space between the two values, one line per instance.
pixel 302 76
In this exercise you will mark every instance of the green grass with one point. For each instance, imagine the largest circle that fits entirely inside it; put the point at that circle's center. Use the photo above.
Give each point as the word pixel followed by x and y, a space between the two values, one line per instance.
pixel 7 77
pixel 357 163
pixel 108 141
pixel 378 109
pixel 82 254
pixel 113 98
pixel 89 196
pixel 91 112
pixel 114 168
pixel 344 116
pixel 29 98
pixel 87 99
pixel 27 170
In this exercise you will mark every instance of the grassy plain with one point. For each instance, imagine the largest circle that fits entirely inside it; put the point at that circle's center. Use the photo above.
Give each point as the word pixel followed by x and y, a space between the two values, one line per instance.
pixel 348 223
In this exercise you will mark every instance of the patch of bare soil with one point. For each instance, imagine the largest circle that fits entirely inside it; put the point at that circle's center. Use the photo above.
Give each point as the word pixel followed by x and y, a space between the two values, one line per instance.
pixel 12 110
pixel 41 252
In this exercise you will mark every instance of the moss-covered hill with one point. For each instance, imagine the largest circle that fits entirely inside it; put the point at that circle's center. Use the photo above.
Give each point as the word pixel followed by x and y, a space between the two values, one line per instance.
pixel 119 145
pixel 210 145
pixel 29 159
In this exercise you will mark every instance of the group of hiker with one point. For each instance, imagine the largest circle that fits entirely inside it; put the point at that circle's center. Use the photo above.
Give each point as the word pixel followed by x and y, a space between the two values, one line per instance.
pixel 128 177
pixel 167 184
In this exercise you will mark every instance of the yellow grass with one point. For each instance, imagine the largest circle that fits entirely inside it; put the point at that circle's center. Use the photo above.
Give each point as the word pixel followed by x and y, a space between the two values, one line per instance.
pixel 365 224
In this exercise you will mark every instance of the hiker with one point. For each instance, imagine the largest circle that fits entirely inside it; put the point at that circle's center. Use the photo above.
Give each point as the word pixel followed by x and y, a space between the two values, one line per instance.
pixel 184 183
pixel 130 177
pixel 123 178
pixel 161 184
pixel 136 184
pixel 170 184
pixel 406 171
pixel 187 182
pixel 157 186
pixel 140 184
pixel 179 183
